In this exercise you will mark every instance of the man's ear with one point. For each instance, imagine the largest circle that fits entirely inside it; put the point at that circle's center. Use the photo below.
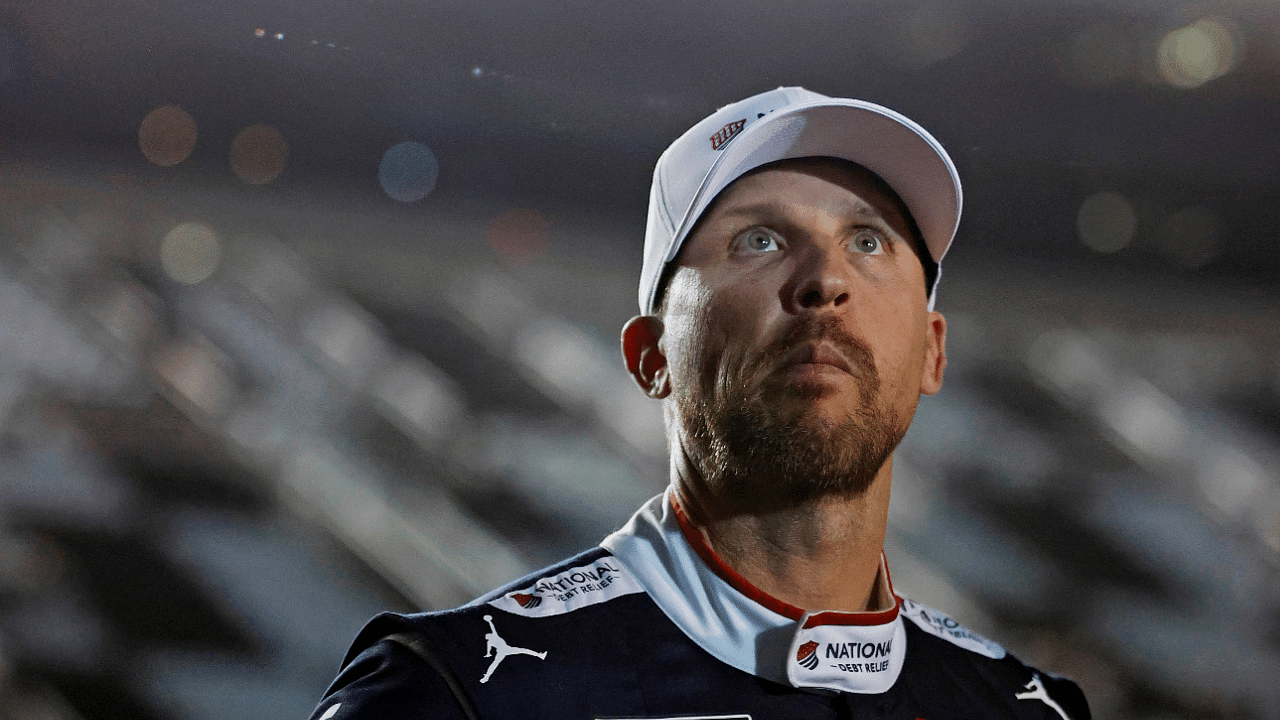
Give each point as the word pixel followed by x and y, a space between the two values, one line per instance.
pixel 644 358
pixel 935 354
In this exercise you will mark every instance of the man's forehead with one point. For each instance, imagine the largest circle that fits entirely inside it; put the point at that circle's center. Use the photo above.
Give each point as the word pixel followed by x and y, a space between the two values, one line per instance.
pixel 765 191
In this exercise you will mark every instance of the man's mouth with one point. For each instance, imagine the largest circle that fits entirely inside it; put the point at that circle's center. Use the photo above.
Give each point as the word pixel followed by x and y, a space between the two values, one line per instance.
pixel 816 356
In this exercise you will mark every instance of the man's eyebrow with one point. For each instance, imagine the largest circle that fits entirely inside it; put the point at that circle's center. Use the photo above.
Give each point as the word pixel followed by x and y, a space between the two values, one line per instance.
pixel 764 207
pixel 773 207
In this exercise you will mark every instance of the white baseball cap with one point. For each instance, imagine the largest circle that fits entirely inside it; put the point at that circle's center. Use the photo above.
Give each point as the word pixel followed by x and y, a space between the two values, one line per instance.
pixel 788 123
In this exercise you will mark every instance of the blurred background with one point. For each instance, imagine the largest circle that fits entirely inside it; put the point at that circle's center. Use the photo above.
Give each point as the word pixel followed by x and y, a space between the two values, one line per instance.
pixel 309 310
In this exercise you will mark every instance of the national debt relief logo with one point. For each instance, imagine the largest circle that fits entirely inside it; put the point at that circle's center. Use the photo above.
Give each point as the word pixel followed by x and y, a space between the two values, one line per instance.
pixel 527 600
pixel 941 625
pixel 570 590
pixel 807 655
pixel 849 658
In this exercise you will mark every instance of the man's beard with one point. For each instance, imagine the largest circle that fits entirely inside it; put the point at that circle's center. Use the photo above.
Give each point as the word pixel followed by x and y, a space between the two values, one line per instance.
pixel 756 441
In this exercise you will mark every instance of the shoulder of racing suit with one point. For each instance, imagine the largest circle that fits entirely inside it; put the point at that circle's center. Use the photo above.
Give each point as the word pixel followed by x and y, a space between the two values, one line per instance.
pixel 584 639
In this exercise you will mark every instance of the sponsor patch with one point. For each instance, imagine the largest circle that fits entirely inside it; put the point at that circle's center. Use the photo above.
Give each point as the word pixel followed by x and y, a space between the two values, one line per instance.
pixel 526 600
pixel 807 655
pixel 570 590
pixel 726 133
pixel 939 624
pixel 852 658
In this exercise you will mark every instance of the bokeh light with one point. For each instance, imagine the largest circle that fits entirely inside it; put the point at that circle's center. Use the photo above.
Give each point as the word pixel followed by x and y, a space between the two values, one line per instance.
pixel 190 252
pixel 258 154
pixel 519 234
pixel 1192 236
pixel 1193 55
pixel 408 171
pixel 196 372
pixel 1106 222
pixel 167 135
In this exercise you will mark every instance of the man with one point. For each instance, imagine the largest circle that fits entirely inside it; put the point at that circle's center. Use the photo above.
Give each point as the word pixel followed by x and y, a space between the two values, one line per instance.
pixel 787 327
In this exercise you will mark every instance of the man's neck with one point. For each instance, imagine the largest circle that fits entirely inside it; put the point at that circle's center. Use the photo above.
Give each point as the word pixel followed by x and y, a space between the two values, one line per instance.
pixel 822 554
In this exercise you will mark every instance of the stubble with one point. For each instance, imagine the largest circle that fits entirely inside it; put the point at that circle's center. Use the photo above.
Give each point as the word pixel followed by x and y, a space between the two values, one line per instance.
pixel 757 440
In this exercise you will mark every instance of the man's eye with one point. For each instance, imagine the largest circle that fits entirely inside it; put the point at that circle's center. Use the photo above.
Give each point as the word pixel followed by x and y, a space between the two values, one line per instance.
pixel 867 243
pixel 756 240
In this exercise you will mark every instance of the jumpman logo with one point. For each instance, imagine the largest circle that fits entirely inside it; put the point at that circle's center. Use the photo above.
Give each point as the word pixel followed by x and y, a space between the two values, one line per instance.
pixel 499 649
pixel 1036 691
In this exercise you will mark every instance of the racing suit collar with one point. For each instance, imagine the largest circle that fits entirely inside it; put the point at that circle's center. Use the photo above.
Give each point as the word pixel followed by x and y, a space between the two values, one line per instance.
pixel 745 627
pixel 882 590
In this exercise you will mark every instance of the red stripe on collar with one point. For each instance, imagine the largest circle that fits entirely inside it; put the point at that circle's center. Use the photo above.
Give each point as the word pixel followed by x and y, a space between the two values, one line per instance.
pixel 726 573
pixel 830 617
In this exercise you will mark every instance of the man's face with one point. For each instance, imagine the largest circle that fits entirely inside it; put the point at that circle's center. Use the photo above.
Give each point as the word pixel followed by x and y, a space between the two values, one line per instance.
pixel 797 335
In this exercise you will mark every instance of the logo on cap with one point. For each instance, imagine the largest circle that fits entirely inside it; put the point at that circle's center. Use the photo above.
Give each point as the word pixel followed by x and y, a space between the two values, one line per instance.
pixel 726 133
pixel 807 655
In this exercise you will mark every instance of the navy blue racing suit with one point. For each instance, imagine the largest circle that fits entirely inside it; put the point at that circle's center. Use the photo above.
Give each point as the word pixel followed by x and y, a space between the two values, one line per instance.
pixel 652 625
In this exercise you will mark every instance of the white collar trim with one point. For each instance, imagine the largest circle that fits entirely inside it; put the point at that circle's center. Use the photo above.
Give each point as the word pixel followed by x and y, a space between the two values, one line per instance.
pixel 826 650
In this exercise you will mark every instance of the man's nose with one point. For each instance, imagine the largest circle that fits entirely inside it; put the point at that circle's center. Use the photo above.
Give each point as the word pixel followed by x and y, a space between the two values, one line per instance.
pixel 821 278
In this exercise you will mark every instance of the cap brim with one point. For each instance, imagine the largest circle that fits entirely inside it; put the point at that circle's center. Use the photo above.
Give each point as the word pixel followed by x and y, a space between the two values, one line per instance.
pixel 888 144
